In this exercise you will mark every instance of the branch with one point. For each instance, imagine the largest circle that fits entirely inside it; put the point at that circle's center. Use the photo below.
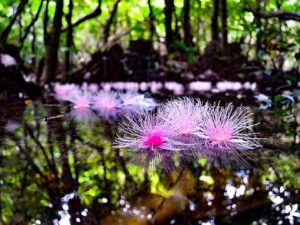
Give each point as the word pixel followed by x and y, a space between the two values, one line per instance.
pixel 6 30
pixel 35 18
pixel 69 41
pixel 278 14
pixel 29 159
pixel 51 166
pixel 89 16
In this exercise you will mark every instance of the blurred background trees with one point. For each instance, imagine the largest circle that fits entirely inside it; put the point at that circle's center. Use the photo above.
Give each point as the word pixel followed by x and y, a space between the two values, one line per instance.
pixel 52 38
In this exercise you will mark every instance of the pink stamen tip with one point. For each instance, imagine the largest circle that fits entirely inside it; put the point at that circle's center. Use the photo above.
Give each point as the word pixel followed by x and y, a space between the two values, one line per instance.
pixel 154 139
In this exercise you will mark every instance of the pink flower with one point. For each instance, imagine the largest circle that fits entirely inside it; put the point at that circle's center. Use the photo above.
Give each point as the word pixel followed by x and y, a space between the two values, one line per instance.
pixel 93 88
pixel 183 115
pixel 106 104
pixel 176 88
pixel 81 101
pixel 226 133
pixel 81 107
pixel 65 92
pixel 147 132
pixel 200 86
pixel 7 60
pixel 135 103
pixel 153 142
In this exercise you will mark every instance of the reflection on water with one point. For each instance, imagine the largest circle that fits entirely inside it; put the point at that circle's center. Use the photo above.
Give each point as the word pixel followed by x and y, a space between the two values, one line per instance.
pixel 64 171
pixel 179 89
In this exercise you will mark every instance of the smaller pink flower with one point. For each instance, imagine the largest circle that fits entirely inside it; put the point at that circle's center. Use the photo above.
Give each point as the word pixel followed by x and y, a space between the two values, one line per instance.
pixel 106 104
pixel 183 115
pixel 226 134
pixel 7 60
pixel 81 107
pixel 135 103
pixel 200 86
pixel 93 88
pixel 65 92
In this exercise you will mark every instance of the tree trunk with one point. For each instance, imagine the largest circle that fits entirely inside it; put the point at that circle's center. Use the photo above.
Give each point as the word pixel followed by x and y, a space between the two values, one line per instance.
pixel 57 136
pixel 151 21
pixel 69 41
pixel 169 7
pixel 52 45
pixel 187 36
pixel 109 22
pixel 224 24
pixel 214 22
pixel 258 30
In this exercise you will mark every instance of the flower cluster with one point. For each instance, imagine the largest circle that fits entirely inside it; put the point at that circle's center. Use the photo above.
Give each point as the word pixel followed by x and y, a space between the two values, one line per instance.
pixel 88 101
pixel 188 128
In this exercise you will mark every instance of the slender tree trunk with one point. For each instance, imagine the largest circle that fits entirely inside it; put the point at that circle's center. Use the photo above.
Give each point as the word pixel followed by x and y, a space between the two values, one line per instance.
pixel 219 191
pixel 109 21
pixel 214 22
pixel 169 8
pixel 187 36
pixel 52 45
pixel 33 49
pixel 56 135
pixel 281 55
pixel 151 21
pixel 258 30
pixel 176 30
pixel 224 24
pixel 69 41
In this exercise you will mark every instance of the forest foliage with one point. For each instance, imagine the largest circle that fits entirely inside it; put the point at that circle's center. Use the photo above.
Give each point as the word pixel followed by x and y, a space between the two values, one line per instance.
pixel 76 29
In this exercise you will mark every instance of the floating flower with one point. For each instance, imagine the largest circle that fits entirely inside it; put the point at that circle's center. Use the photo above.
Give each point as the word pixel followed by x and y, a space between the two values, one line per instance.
pixel 135 103
pixel 7 60
pixel 200 86
pixel 106 104
pixel 92 88
pixel 183 115
pixel 65 92
pixel 226 133
pixel 147 132
pixel 149 138
pixel 81 107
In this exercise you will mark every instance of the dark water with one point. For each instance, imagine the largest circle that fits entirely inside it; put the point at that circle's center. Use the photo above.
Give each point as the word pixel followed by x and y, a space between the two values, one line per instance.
pixel 63 171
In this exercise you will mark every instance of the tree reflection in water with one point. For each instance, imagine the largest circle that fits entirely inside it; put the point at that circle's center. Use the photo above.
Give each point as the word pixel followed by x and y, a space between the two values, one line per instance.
pixel 62 171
